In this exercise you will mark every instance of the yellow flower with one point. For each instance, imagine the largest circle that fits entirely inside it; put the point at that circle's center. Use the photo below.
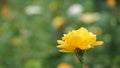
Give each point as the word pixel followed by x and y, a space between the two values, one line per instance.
pixel 16 41
pixel 78 39
pixel 53 6
pixel 111 2
pixel 64 65
pixel 58 21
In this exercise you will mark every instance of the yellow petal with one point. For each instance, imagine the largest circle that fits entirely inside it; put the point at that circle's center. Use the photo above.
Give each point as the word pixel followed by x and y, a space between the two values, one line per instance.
pixel 83 29
pixel 83 47
pixel 81 38
pixel 66 47
pixel 60 42
pixel 64 50
pixel 63 46
pixel 97 43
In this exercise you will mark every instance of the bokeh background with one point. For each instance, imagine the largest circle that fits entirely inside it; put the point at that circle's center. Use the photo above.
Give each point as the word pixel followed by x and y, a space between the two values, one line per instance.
pixel 29 30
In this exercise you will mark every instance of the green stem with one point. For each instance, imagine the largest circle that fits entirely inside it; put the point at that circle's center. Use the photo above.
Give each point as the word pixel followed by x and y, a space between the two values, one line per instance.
pixel 82 65
pixel 80 55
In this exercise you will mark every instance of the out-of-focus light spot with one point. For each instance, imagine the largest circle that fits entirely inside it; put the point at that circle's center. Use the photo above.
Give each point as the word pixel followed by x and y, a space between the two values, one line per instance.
pixel 58 21
pixel 75 10
pixel 33 10
pixel 6 12
pixel 64 65
pixel 16 41
pixel 111 2
pixel 88 18
pixel 53 6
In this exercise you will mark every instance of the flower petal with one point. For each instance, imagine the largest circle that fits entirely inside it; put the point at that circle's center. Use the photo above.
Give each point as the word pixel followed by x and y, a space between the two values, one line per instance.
pixel 64 50
pixel 97 43
pixel 60 42
pixel 66 47
pixel 81 38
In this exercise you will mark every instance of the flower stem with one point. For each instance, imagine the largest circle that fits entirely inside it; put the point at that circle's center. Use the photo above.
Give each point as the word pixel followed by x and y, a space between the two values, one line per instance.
pixel 80 55
pixel 82 65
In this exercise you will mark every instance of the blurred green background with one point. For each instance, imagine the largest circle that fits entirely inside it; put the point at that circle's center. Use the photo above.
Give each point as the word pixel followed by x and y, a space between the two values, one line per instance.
pixel 29 30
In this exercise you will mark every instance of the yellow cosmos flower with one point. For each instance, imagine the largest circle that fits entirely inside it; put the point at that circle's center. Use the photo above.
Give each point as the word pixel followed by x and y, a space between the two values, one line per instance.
pixel 78 39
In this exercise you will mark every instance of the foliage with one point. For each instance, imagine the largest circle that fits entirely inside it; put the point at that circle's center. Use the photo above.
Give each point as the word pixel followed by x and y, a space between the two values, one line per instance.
pixel 29 30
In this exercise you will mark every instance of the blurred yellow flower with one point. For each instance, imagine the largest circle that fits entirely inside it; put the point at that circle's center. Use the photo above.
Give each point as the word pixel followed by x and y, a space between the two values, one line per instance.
pixel 75 39
pixel 53 6
pixel 64 65
pixel 111 2
pixel 58 21
pixel 16 41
